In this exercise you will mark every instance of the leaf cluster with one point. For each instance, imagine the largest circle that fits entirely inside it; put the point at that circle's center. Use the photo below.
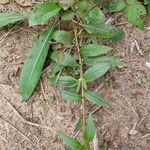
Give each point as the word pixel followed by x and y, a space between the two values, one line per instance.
pixel 133 9
pixel 75 62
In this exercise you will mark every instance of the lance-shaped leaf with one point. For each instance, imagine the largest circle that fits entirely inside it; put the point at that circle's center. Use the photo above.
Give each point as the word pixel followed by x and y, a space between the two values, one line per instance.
pixel 104 31
pixel 7 18
pixel 114 62
pixel 92 50
pixel 94 98
pixel 63 37
pixel 79 124
pixel 90 129
pixel 63 58
pixel 43 12
pixel 32 68
pixel 71 142
pixel 96 71
pixel 65 81
pixel 70 96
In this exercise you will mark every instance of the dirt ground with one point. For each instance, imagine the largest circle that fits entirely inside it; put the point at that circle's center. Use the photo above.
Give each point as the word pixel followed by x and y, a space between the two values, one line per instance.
pixel 35 125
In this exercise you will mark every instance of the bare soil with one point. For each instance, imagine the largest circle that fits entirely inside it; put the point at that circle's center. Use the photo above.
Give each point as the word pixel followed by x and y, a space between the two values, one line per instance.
pixel 35 125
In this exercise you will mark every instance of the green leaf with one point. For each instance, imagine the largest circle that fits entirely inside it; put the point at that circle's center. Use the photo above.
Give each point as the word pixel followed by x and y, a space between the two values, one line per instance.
pixel 65 81
pixel 96 16
pixel 93 98
pixel 31 71
pixel 68 15
pixel 43 13
pixel 82 8
pixel 114 62
pixel 55 68
pixel 104 31
pixel 118 35
pixel 90 129
pixel 63 37
pixel 63 58
pixel 134 14
pixel 70 96
pixel 71 142
pixel 96 71
pixel 7 18
pixel 117 5
pixel 79 124
pixel 65 4
pixel 92 50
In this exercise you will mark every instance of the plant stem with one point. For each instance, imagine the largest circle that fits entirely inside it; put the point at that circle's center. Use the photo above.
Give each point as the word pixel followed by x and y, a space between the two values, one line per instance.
pixel 81 77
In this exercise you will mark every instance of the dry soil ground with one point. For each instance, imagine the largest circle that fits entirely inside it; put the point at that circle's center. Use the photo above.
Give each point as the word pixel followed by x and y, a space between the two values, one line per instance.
pixel 35 125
